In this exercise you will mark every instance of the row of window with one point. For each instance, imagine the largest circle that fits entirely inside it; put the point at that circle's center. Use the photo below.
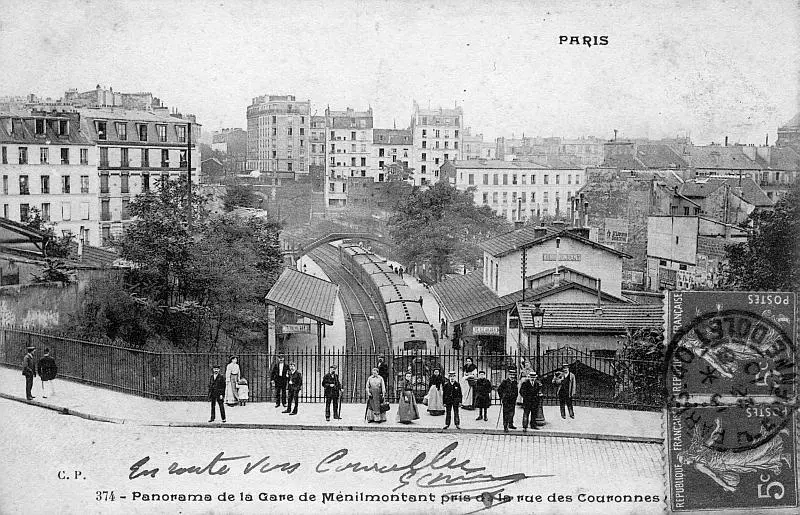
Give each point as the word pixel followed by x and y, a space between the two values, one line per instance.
pixel 66 184
pixel 144 158
pixel 522 196
pixel 435 133
pixel 382 152
pixel 61 127
pixel 289 120
pixel 436 144
pixel 23 157
pixel 289 132
pixel 515 178
pixel 436 120
pixel 141 131
pixel 343 149
pixel 436 160
pixel 25 211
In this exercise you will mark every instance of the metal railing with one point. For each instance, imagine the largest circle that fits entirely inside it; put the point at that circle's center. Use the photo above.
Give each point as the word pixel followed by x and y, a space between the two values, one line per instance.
pixel 600 381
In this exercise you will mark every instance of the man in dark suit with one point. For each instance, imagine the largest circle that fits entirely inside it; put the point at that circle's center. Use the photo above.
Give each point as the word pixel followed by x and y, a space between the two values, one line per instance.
pixel 333 392
pixel 216 393
pixel 451 397
pixel 507 391
pixel 294 383
pixel 383 371
pixel 566 389
pixel 29 371
pixel 531 392
pixel 279 377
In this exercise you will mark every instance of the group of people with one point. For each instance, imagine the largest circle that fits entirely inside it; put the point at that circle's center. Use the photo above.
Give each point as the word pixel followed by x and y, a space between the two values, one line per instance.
pixel 446 396
pixel 45 368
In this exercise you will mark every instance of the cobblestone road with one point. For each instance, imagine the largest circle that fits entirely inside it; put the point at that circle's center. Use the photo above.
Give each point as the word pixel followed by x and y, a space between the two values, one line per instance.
pixel 40 445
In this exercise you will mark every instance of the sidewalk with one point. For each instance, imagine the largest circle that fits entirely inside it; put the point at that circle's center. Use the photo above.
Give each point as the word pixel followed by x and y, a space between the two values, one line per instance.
pixel 111 406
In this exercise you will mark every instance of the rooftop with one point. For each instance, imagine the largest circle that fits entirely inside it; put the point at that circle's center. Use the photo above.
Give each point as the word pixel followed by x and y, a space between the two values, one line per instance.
pixel 716 156
pixel 304 294
pixel 614 318
pixel 498 164
pixel 462 297
pixel 392 137
pixel 744 187
pixel 527 237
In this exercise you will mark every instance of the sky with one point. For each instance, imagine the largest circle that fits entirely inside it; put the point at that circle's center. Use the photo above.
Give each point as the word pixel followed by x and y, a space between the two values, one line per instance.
pixel 705 69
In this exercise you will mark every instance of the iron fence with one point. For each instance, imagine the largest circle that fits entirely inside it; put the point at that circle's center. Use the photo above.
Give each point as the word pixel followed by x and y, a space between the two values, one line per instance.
pixel 600 381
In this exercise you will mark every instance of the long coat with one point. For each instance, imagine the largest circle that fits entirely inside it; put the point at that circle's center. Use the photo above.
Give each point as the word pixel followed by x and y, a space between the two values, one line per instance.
pixel 483 393
pixel 508 391
pixel 280 378
pixel 29 367
pixel 566 385
pixel 531 391
pixel 47 368
pixel 451 395
pixel 332 385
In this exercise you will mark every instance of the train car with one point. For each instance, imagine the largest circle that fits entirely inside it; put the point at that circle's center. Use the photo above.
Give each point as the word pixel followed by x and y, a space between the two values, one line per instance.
pixel 394 293
pixel 411 336
pixel 405 311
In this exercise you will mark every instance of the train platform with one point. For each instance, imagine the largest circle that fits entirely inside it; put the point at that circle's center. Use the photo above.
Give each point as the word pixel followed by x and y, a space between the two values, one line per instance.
pixel 334 336
pixel 100 404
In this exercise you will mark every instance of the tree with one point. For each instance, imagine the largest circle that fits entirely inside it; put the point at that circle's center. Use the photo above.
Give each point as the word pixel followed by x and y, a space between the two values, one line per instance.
pixel 239 195
pixel 441 226
pixel 769 260
pixel 54 246
pixel 639 368
pixel 189 283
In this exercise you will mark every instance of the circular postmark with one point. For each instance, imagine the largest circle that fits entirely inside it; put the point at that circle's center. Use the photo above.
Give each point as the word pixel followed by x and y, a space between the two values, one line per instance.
pixel 731 377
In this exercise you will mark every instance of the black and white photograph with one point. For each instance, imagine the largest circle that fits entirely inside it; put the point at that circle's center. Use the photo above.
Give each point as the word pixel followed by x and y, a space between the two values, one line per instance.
pixel 399 256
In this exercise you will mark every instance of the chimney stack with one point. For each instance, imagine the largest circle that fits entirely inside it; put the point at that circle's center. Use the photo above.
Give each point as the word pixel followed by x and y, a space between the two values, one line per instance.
pixel 726 141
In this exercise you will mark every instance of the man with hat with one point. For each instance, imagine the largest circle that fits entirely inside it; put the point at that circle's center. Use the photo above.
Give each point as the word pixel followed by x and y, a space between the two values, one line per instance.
pixel 333 391
pixel 531 392
pixel 216 393
pixel 47 369
pixel 566 389
pixel 29 371
pixel 279 377
pixel 507 391
pixel 451 398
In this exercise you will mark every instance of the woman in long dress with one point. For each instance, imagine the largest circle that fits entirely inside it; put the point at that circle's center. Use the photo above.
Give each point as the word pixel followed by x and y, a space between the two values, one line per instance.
pixel 407 410
pixel 435 401
pixel 376 393
pixel 469 374
pixel 232 382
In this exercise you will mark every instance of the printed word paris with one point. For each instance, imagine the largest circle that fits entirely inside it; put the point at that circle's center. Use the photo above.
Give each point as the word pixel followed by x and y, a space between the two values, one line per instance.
pixel 588 41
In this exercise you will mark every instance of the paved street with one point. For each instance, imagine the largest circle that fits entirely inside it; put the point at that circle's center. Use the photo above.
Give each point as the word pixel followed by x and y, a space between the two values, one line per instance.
pixel 39 443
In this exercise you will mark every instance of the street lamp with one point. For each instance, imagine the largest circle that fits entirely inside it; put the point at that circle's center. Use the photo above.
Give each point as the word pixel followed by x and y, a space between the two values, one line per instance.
pixel 538 322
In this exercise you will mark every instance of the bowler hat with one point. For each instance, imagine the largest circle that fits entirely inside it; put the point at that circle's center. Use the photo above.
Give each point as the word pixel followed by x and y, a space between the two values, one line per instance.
pixel 31 348
pixel 214 366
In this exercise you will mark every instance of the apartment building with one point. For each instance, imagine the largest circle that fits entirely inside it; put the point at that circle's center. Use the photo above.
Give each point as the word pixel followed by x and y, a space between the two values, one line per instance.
pixel 517 190
pixel 349 136
pixel 277 135
pixel 49 163
pixel 135 150
pixel 390 146
pixel 474 147
pixel 437 136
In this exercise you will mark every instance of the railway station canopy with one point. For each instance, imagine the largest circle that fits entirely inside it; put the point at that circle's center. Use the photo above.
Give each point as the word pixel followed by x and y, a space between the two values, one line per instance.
pixel 305 295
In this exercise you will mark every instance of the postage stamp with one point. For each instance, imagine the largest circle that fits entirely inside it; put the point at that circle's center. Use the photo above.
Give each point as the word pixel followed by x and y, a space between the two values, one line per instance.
pixel 731 379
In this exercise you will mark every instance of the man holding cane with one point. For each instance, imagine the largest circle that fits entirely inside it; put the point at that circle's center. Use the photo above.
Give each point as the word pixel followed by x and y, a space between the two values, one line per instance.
pixel 566 389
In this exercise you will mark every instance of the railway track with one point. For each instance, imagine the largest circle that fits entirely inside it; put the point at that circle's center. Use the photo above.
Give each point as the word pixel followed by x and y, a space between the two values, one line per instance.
pixel 366 330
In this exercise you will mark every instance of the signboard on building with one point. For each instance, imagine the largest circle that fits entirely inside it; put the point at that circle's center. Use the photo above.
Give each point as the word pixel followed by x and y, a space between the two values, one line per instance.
pixel 632 277
pixel 616 230
pixel 561 257
pixel 294 328
pixel 486 330
pixel 667 278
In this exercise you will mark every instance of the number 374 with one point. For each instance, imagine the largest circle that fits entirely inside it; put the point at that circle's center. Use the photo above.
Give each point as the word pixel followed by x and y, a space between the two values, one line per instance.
pixel 104 495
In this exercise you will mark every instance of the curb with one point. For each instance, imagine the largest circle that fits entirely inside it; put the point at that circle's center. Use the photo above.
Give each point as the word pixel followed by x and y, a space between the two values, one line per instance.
pixel 366 429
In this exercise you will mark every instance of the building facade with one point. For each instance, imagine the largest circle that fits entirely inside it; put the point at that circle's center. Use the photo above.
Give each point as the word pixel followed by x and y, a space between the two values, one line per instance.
pixel 517 190
pixel 49 164
pixel 437 137
pixel 687 252
pixel 474 147
pixel 277 135
pixel 390 146
pixel 349 136
pixel 135 150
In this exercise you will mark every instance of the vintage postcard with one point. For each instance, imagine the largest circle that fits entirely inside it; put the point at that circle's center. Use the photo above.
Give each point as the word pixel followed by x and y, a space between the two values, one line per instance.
pixel 399 256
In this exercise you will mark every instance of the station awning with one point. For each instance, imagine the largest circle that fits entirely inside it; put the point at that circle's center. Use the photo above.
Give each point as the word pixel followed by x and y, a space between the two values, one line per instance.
pixel 304 294
pixel 593 318
pixel 463 297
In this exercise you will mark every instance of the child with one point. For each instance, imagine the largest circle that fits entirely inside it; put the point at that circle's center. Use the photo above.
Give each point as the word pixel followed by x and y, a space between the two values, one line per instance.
pixel 242 391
